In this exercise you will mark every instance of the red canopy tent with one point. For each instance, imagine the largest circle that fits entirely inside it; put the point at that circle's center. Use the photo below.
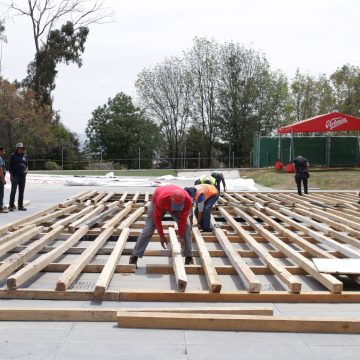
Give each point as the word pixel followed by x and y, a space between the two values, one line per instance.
pixel 334 121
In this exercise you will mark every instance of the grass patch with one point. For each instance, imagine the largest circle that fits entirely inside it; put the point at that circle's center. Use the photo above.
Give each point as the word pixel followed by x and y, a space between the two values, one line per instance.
pixel 323 179
pixel 150 172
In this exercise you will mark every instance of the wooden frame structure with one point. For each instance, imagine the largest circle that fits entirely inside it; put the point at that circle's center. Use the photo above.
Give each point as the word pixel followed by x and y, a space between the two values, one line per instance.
pixel 260 250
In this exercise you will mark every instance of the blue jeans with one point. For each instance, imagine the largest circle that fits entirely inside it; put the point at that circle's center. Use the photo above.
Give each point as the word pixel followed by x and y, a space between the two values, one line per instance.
pixel 149 229
pixel 1 194
pixel 17 181
pixel 205 221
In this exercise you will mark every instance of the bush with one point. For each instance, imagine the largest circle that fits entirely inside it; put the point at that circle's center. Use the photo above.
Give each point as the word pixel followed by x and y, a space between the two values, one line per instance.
pixel 52 165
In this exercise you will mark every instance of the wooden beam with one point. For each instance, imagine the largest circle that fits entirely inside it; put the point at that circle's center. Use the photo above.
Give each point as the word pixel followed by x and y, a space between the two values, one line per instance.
pixel 117 218
pixel 106 198
pixel 123 197
pixel 98 197
pixel 177 261
pixel 20 239
pixel 14 225
pixel 251 282
pixel 16 260
pixel 68 277
pixel 136 197
pixel 110 314
pixel 131 219
pixel 38 264
pixel 71 218
pixel 330 282
pixel 284 275
pixel 106 275
pixel 222 322
pixel 16 233
pixel 99 217
pixel 86 195
pixel 212 277
pixel 95 211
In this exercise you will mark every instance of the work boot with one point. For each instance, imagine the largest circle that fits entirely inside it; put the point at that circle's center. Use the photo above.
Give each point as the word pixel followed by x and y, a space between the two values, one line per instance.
pixel 189 260
pixel 3 209
pixel 12 208
pixel 22 208
pixel 133 260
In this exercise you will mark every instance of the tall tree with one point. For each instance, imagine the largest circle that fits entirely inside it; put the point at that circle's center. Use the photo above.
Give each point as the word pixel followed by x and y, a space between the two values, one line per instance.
pixel 53 46
pixel 252 98
pixel 166 94
pixel 346 83
pixel 203 61
pixel 2 40
pixel 120 129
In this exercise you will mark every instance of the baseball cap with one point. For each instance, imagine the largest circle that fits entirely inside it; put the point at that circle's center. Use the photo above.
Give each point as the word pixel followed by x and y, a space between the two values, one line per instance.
pixel 177 198
pixel 20 145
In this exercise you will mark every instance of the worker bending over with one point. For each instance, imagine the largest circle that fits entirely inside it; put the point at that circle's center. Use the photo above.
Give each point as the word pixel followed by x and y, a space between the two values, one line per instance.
pixel 205 196
pixel 215 179
pixel 176 201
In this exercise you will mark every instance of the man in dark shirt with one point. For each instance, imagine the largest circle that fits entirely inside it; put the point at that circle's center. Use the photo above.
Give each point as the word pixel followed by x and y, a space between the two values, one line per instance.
pixel 219 179
pixel 2 179
pixel 302 173
pixel 18 168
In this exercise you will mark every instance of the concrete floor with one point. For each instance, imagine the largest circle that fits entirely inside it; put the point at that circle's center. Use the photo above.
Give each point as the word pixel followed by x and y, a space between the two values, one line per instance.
pixel 76 340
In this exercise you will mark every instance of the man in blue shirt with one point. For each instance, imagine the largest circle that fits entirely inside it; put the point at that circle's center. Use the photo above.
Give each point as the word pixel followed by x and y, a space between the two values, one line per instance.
pixel 18 168
pixel 2 180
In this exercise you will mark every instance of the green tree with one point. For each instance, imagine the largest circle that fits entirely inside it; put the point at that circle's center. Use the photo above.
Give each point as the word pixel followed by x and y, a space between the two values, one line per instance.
pixel 54 46
pixel 120 129
pixel 346 83
pixel 64 45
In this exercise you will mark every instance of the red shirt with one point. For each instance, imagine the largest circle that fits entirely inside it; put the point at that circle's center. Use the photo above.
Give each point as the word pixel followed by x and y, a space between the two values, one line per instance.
pixel 162 204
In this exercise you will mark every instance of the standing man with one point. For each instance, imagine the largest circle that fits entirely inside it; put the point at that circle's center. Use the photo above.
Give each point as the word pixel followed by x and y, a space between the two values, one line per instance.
pixel 302 173
pixel 18 168
pixel 205 197
pixel 2 180
pixel 176 201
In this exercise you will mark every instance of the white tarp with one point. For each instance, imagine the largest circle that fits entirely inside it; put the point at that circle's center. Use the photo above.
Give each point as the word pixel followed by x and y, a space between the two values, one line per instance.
pixel 110 180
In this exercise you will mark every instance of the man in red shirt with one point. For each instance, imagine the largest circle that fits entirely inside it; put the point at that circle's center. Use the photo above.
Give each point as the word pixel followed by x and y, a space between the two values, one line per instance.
pixel 176 201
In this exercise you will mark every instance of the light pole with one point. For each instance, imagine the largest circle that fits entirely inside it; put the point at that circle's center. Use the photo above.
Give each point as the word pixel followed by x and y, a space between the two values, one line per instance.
pixel 101 151
pixel 62 158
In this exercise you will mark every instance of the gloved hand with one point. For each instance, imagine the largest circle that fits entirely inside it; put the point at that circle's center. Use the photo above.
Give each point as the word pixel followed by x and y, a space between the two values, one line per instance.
pixel 163 241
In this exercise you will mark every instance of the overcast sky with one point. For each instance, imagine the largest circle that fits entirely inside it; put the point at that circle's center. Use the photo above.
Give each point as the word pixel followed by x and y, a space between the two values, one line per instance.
pixel 317 36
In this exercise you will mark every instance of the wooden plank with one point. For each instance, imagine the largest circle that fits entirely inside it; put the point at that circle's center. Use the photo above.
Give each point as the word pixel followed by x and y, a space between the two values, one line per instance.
pixel 123 197
pixel 136 197
pixel 344 249
pixel 95 211
pixel 277 268
pixel 293 237
pixel 146 197
pixel 177 261
pixel 131 219
pixel 110 314
pixel 16 260
pixel 68 277
pixel 117 218
pixel 14 225
pixel 20 239
pixel 71 218
pixel 99 217
pixel 222 322
pixel 251 282
pixel 221 270
pixel 86 195
pixel 45 218
pixel 16 233
pixel 212 277
pixel 106 275
pixel 98 197
pixel 106 198
pixel 330 282
pixel 38 264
